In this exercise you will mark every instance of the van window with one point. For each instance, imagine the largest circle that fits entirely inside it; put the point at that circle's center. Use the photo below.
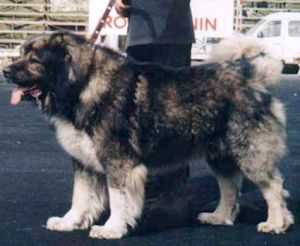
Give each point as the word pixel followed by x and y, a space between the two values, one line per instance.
pixel 294 28
pixel 253 29
pixel 271 29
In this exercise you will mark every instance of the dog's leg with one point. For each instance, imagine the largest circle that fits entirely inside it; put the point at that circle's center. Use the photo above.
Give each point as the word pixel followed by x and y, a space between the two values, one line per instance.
pixel 228 208
pixel 279 217
pixel 259 165
pixel 88 202
pixel 126 205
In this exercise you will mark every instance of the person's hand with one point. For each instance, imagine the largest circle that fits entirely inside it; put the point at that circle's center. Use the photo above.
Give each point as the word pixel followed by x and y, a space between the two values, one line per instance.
pixel 122 8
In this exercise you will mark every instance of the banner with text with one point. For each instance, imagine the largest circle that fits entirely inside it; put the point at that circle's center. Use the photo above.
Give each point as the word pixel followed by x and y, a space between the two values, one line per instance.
pixel 115 24
pixel 213 18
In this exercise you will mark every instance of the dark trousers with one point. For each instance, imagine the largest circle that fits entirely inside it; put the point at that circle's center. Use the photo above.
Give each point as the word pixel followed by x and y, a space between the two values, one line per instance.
pixel 175 55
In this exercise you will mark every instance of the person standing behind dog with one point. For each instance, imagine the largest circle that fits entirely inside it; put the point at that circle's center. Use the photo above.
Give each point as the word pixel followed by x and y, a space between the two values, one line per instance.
pixel 159 31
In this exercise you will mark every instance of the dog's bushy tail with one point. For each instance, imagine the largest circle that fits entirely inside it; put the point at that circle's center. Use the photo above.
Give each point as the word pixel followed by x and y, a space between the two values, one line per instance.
pixel 266 69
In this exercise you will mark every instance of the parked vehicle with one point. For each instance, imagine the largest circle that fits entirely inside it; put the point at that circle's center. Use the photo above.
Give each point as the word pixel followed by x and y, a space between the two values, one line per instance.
pixel 281 32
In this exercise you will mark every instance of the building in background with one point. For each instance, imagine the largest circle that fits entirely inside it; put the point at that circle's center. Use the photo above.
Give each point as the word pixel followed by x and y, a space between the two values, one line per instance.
pixel 23 18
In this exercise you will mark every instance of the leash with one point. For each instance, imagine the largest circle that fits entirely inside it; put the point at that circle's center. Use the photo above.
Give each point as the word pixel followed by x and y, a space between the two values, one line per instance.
pixel 101 23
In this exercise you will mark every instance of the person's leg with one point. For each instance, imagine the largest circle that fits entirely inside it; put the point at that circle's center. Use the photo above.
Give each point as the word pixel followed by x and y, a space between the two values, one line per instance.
pixel 141 53
pixel 171 181
pixel 174 55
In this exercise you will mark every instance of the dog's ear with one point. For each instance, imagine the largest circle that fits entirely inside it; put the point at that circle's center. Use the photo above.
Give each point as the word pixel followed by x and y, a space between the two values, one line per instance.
pixel 33 43
pixel 57 44
pixel 75 53
pixel 66 48
pixel 69 44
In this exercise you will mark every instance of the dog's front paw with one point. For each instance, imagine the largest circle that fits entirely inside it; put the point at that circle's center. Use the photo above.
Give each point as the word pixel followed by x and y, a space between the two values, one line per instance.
pixel 67 223
pixel 214 219
pixel 60 224
pixel 71 221
pixel 107 232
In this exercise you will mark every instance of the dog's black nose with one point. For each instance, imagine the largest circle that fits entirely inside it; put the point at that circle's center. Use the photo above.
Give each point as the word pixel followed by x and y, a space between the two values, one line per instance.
pixel 6 72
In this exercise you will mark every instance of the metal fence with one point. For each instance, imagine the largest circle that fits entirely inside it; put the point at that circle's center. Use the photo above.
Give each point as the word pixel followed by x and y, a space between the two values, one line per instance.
pixel 20 19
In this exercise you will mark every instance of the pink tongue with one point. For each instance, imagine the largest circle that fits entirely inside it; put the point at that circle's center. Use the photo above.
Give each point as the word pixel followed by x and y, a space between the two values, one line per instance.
pixel 16 96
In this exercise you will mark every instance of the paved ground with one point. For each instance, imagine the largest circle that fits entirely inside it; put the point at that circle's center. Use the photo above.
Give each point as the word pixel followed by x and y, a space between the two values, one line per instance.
pixel 36 179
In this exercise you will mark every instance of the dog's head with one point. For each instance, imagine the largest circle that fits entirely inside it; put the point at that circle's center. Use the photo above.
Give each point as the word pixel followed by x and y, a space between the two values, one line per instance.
pixel 48 63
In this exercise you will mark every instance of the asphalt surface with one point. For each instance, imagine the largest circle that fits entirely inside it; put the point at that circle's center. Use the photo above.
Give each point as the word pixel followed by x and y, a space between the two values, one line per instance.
pixel 36 183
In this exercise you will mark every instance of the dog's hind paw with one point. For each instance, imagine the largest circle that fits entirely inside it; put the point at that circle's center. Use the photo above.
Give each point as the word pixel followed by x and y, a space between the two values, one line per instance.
pixel 107 232
pixel 279 228
pixel 214 219
pixel 267 227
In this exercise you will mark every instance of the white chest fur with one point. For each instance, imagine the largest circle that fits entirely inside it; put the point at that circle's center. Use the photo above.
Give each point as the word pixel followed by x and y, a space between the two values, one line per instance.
pixel 77 144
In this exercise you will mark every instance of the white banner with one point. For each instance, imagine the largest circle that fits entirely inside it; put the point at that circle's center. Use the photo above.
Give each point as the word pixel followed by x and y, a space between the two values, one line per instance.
pixel 115 24
pixel 212 18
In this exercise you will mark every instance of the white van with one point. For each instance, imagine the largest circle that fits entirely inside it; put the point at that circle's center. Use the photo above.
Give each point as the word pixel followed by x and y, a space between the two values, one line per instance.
pixel 281 32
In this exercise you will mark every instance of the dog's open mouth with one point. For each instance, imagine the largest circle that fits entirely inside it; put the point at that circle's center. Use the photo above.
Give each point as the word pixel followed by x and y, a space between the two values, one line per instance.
pixel 19 92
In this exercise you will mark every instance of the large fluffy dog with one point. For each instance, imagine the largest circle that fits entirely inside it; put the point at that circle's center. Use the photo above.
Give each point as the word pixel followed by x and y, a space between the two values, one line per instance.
pixel 119 121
